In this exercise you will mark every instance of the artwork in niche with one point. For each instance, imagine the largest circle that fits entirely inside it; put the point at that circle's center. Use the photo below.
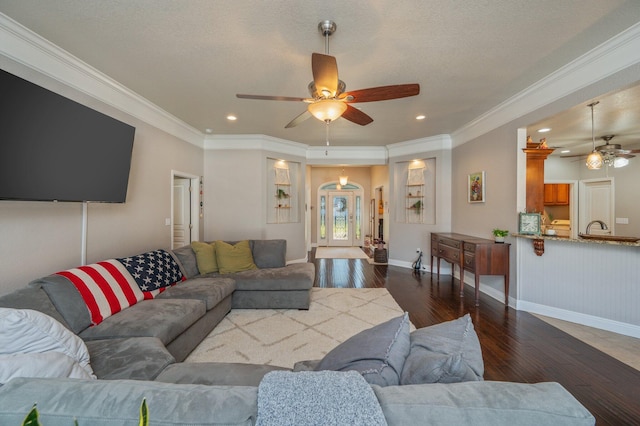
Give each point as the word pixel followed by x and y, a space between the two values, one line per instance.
pixel 416 176
pixel 476 187
pixel 282 176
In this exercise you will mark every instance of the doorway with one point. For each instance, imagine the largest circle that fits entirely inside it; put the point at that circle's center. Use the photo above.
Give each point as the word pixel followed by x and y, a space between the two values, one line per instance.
pixel 185 199
pixel 340 215
pixel 597 203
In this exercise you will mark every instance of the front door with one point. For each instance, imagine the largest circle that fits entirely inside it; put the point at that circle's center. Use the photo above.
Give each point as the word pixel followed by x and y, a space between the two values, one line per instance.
pixel 340 219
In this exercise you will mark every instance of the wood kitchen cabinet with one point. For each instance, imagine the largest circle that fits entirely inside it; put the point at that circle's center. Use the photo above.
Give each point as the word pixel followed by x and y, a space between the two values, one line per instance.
pixel 556 194
pixel 477 255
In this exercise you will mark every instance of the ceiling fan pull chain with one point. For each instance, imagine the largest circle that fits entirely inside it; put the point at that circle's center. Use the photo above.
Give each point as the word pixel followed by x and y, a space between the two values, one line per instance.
pixel 326 151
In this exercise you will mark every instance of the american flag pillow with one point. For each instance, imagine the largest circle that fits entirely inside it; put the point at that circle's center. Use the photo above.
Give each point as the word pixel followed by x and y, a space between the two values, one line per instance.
pixel 112 285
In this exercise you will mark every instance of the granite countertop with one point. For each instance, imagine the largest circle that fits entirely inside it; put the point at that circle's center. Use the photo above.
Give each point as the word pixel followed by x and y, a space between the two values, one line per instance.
pixel 578 240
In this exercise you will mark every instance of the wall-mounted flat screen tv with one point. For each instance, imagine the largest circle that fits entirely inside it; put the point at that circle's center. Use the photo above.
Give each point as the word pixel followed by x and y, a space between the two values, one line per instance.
pixel 55 149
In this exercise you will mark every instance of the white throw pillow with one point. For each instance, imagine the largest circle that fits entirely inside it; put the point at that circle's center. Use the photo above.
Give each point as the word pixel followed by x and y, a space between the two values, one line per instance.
pixel 24 331
pixel 47 364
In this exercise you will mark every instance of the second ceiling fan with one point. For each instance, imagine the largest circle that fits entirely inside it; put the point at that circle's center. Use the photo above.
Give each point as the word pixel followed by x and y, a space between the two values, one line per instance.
pixel 329 100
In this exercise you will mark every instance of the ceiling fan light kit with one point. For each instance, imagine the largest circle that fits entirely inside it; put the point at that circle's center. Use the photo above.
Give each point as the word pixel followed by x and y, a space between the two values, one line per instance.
pixel 329 100
pixel 327 109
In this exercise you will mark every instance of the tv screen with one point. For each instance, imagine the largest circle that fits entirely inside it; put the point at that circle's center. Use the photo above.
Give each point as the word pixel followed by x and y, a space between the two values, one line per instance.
pixel 52 148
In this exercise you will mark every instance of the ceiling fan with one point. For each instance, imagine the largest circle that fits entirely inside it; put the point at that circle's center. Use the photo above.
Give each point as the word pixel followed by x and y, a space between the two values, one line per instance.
pixel 328 100
pixel 610 152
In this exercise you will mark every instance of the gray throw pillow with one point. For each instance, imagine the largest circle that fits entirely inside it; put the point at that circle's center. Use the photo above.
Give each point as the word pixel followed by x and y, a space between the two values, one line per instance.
pixel 269 253
pixel 67 300
pixel 187 260
pixel 444 353
pixel 377 353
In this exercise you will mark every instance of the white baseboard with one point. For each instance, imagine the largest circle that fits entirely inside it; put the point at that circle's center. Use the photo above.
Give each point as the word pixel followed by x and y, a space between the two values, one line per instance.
pixel 579 318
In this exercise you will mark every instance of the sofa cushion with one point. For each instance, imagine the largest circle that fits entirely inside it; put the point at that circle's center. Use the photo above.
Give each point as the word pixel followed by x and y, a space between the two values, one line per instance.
pixel 296 276
pixel 109 286
pixel 483 403
pixel 187 260
pixel 45 364
pixel 444 353
pixel 209 290
pixel 67 300
pixel 216 373
pixel 269 253
pixel 136 358
pixel 234 257
pixel 205 257
pixel 117 402
pixel 378 353
pixel 161 318
pixel 28 331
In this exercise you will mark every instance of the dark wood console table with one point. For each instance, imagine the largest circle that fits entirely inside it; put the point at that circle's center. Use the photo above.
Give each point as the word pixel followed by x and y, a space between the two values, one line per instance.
pixel 477 255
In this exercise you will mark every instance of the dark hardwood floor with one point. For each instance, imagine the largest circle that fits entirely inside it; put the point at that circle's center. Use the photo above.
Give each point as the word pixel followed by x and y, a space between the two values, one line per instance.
pixel 516 346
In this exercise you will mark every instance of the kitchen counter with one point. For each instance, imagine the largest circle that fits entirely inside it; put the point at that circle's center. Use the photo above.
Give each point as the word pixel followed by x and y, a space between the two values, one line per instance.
pixel 577 240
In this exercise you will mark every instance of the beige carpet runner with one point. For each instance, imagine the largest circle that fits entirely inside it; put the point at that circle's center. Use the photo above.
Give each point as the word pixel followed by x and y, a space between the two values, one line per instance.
pixel 284 336
pixel 340 253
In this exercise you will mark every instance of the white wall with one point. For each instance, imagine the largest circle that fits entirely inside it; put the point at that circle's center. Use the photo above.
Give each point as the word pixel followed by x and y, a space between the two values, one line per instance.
pixel 404 238
pixel 235 197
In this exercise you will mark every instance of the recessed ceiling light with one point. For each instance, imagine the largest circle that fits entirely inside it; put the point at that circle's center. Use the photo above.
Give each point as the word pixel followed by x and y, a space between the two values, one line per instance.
pixel 544 130
pixel 421 117
pixel 231 117
pixel 208 131
pixel 565 151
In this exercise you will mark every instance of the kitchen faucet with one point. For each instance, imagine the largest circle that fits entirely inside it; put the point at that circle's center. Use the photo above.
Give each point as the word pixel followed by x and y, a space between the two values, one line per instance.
pixel 603 225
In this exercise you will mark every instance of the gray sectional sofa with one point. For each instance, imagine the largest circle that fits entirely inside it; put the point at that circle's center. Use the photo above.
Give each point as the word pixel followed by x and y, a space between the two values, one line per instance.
pixel 136 353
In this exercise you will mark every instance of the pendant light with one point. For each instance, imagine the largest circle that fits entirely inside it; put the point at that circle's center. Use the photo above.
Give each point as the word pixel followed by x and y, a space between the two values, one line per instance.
pixel 594 160
pixel 343 179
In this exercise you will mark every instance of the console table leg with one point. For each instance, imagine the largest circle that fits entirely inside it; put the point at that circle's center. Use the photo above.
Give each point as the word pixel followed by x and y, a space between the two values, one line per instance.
pixel 477 289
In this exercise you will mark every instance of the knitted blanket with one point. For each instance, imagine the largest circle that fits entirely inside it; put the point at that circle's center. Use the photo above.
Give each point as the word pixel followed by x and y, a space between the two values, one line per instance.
pixel 317 398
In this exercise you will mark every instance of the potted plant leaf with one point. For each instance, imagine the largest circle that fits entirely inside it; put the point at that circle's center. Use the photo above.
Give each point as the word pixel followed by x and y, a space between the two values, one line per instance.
pixel 499 234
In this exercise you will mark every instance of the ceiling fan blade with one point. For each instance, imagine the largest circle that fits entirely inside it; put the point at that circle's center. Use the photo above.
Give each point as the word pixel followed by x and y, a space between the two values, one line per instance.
pixel 325 74
pixel 383 93
pixel 270 98
pixel 299 119
pixel 356 116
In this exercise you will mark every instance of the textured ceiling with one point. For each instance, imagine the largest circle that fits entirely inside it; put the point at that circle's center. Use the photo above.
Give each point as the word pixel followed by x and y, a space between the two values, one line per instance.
pixel 192 57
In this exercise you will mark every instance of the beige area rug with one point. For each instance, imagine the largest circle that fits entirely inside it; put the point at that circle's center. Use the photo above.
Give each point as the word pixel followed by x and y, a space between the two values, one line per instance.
pixel 284 336
pixel 340 253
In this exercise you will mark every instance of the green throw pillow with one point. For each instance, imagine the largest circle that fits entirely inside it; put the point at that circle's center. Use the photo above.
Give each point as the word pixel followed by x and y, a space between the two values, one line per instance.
pixel 205 257
pixel 234 258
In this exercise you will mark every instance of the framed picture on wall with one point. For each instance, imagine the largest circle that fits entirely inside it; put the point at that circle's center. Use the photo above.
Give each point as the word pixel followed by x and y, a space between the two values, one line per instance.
pixel 476 187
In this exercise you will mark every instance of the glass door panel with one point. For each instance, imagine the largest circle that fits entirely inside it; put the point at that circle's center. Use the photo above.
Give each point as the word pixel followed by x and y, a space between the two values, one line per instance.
pixel 341 219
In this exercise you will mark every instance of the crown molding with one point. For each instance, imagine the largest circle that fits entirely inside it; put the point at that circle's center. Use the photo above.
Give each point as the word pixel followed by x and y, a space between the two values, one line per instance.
pixel 27 48
pixel 255 142
pixel 431 143
pixel 612 56
pixel 354 155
